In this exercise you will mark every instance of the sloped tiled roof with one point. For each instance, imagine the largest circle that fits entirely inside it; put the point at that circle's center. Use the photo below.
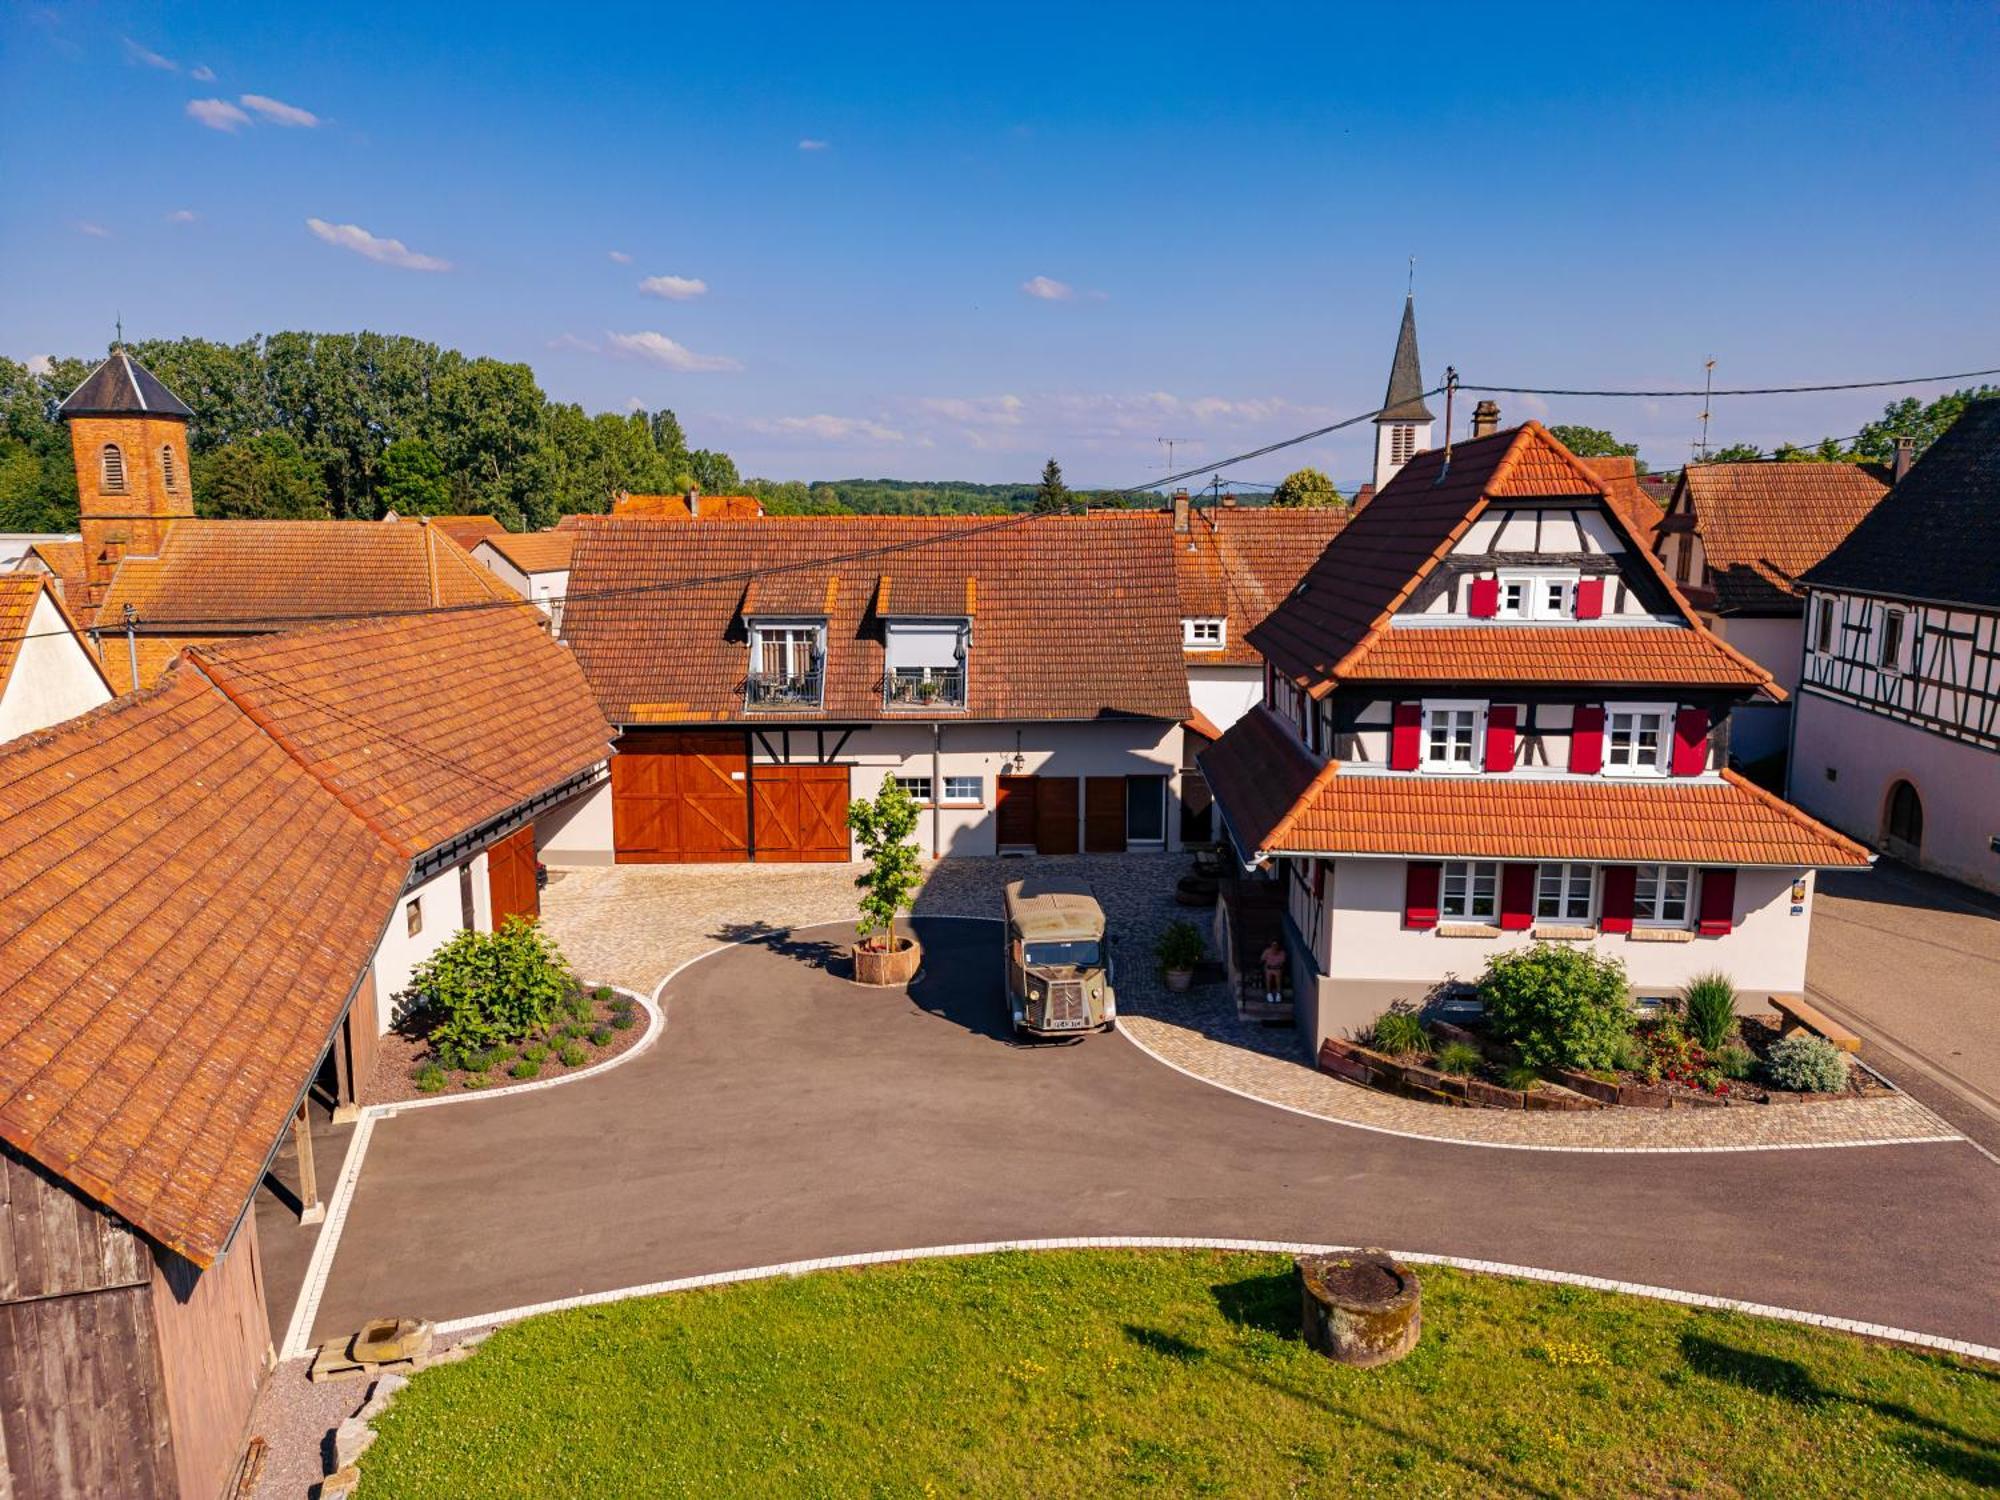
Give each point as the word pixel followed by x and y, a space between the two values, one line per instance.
pixel 1075 616
pixel 1277 801
pixel 1622 488
pixel 184 912
pixel 1404 400
pixel 1237 562
pixel 675 507
pixel 1937 534
pixel 19 593
pixel 64 558
pixel 1556 653
pixel 425 726
pixel 122 387
pixel 467 531
pixel 1762 525
pixel 534 551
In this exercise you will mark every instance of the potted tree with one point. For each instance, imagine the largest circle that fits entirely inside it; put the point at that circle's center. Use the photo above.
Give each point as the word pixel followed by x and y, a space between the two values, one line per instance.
pixel 885 826
pixel 1179 949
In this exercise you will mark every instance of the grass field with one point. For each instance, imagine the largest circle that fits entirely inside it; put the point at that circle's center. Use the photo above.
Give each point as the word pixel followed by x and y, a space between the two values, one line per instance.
pixel 1084 1373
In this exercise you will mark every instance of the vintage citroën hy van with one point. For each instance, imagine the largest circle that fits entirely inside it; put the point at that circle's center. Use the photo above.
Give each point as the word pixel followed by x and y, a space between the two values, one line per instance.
pixel 1058 958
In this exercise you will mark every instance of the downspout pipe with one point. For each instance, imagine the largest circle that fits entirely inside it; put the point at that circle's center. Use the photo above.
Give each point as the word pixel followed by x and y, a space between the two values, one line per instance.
pixel 937 788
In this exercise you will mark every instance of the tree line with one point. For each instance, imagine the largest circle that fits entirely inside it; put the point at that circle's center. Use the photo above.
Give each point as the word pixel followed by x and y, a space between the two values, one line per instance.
pixel 353 425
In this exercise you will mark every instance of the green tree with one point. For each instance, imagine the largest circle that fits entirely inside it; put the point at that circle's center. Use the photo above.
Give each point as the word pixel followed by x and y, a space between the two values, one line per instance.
pixel 1593 442
pixel 1924 421
pixel 412 480
pixel 885 827
pixel 1052 494
pixel 483 988
pixel 1305 487
pixel 262 478
pixel 1735 453
pixel 1558 1006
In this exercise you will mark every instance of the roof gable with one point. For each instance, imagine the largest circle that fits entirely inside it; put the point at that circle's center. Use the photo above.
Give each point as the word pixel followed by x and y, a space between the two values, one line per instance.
pixel 1238 563
pixel 123 387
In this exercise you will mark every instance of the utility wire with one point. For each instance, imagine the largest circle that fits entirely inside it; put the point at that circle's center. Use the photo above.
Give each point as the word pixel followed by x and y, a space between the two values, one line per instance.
pixel 1748 390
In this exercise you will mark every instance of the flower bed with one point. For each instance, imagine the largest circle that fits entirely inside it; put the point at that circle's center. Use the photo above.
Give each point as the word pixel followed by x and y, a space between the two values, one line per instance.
pixel 592 1027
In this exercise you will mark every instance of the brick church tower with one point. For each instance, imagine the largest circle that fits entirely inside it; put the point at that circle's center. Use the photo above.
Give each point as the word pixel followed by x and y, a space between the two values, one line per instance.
pixel 128 437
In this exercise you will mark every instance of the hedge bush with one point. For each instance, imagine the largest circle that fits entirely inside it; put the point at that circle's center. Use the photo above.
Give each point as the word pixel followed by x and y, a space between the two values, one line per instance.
pixel 1398 1032
pixel 1806 1064
pixel 483 988
pixel 1560 1007
pixel 1709 1010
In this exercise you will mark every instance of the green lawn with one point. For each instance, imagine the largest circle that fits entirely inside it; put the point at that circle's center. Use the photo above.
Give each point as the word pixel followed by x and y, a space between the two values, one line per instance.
pixel 1166 1373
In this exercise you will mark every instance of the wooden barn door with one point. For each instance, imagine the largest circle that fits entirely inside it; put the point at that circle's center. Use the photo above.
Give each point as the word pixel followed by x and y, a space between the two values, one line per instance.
pixel 1104 815
pixel 680 798
pixel 1055 814
pixel 801 813
pixel 510 877
pixel 1014 808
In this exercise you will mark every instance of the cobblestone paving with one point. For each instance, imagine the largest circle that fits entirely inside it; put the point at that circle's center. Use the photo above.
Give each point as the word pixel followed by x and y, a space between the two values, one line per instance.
pixel 634 924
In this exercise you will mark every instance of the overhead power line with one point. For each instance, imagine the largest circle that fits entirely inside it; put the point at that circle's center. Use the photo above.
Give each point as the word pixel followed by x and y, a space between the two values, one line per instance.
pixel 1748 390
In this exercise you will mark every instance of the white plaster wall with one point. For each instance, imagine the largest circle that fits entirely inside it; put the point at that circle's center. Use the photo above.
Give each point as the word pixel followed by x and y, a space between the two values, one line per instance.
pixel 1959 784
pixel 1765 950
pixel 399 952
pixel 489 557
pixel 1776 645
pixel 578 832
pixel 542 588
pixel 1224 693
pixel 53 678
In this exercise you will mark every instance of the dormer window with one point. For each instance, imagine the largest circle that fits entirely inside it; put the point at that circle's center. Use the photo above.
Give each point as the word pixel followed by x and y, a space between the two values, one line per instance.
pixel 167 465
pixel 1451 736
pixel 1537 596
pixel 113 461
pixel 1206 634
pixel 924 662
pixel 787 661
pixel 1637 738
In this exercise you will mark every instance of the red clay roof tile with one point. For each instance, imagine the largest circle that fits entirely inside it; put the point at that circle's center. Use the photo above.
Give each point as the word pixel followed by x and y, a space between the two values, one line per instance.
pixel 1763 524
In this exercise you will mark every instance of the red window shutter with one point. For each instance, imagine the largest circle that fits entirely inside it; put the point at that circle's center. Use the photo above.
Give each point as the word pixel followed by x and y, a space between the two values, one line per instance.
pixel 1586 740
pixel 1500 737
pixel 1406 737
pixel 1589 598
pixel 1485 601
pixel 1517 897
pixel 1420 893
pixel 1718 902
pixel 1621 882
pixel 1690 742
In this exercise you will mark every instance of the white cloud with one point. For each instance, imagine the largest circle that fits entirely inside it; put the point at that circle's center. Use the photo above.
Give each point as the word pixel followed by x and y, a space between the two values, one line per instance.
pixel 278 112
pixel 809 144
pixel 202 74
pixel 1048 289
pixel 40 364
pixel 386 251
pixel 95 231
pixel 832 429
pixel 661 350
pixel 147 58
pixel 182 216
pixel 976 411
pixel 568 341
pixel 217 114
pixel 674 288
pixel 620 256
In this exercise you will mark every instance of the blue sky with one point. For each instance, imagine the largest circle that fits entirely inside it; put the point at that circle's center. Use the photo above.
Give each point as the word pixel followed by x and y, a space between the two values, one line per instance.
pixel 1219 206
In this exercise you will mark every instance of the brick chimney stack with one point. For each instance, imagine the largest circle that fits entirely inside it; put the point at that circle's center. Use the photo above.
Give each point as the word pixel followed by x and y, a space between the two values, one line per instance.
pixel 1183 508
pixel 1906 454
pixel 1485 419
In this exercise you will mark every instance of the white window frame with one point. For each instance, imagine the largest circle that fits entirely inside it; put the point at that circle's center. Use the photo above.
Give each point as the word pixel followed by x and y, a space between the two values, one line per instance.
pixel 1652 913
pixel 815 644
pixel 1204 633
pixel 1663 755
pixel 976 797
pixel 1824 638
pixel 911 784
pixel 1567 875
pixel 1448 767
pixel 1887 659
pixel 1469 873
pixel 1534 586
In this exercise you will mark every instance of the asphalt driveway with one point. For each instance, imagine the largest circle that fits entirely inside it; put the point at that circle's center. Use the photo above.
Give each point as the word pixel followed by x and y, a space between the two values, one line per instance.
pixel 787 1114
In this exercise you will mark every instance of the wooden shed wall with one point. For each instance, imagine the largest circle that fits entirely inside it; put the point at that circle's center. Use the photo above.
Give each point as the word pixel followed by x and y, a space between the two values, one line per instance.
pixel 54 1243
pixel 215 1350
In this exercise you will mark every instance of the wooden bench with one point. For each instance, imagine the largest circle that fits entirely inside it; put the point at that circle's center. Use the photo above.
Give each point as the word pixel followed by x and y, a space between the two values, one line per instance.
pixel 1798 1014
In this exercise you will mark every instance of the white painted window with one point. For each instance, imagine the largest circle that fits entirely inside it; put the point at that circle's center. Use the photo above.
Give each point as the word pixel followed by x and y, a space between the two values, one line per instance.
pixel 1451 735
pixel 1562 892
pixel 919 787
pixel 1638 738
pixel 964 788
pixel 787 650
pixel 1889 655
pixel 1537 596
pixel 1203 634
pixel 113 459
pixel 1470 891
pixel 1660 895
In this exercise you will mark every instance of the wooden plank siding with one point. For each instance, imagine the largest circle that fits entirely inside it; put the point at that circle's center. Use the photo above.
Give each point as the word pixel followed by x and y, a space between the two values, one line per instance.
pixel 1055 814
pixel 215 1349
pixel 54 1243
pixel 510 877
pixel 1104 815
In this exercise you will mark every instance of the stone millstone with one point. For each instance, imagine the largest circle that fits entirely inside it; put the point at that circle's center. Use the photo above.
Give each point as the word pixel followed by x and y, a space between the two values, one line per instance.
pixel 386 1340
pixel 1361 1308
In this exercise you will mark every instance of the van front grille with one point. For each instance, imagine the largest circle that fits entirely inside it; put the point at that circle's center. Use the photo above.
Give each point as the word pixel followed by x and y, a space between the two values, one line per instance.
pixel 1065 1002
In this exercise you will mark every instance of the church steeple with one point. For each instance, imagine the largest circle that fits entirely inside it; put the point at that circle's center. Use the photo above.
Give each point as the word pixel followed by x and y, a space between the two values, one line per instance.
pixel 1403 426
pixel 128 439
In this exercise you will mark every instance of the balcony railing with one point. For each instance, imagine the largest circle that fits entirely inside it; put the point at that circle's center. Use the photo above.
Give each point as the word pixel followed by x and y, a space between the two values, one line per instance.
pixel 784 689
pixel 924 687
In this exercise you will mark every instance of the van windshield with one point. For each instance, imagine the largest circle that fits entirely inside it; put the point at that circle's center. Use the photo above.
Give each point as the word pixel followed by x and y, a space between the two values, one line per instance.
pixel 1078 954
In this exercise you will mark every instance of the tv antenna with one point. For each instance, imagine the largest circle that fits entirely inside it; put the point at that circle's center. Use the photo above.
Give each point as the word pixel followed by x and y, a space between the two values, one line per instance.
pixel 1169 444
pixel 1707 388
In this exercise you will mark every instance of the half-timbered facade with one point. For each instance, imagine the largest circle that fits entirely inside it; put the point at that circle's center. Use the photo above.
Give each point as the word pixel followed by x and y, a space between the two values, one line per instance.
pixel 1897 737
pixel 1491 719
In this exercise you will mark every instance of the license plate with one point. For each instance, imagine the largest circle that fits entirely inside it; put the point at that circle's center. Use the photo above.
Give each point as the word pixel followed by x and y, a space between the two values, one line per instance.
pixel 1077 1024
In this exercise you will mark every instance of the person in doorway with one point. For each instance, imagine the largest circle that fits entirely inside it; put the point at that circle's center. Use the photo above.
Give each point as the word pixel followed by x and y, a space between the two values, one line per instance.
pixel 1273 959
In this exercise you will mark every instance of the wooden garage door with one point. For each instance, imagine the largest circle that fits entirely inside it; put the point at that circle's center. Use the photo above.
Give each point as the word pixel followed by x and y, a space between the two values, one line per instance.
pixel 1014 806
pixel 801 813
pixel 680 799
pixel 1104 815
pixel 510 877
pixel 1055 815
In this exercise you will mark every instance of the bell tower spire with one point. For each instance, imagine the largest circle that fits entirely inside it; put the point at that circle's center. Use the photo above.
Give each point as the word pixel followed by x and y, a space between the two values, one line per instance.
pixel 1403 426
pixel 128 439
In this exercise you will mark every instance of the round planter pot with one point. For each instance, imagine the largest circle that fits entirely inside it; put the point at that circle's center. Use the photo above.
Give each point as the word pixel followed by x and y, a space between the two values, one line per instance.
pixel 1362 1309
pixel 1178 980
pixel 896 965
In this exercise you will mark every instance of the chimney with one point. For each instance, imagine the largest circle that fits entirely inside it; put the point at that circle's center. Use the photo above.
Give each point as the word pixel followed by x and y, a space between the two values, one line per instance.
pixel 694 502
pixel 1906 454
pixel 1228 499
pixel 1485 419
pixel 1181 508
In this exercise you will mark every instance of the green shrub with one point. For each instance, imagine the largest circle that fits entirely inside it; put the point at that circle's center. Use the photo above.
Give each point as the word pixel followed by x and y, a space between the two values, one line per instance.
pixel 599 1035
pixel 620 1004
pixel 1709 1010
pixel 1458 1058
pixel 602 994
pixel 525 1068
pixel 1735 1060
pixel 1399 1032
pixel 573 1055
pixel 1807 1064
pixel 1522 1077
pixel 486 1059
pixel 1180 946
pixel 430 1078
pixel 1628 1055
pixel 580 1007
pixel 474 1081
pixel 623 1020
pixel 534 1052
pixel 1559 1006
pixel 487 987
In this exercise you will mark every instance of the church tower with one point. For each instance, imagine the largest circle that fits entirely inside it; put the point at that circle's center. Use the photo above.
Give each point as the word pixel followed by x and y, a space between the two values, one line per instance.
pixel 1403 426
pixel 128 439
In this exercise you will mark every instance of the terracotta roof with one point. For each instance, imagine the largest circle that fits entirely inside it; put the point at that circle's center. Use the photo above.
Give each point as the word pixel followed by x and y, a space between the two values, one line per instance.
pixel 63 558
pixel 1762 525
pixel 1201 724
pixel 122 387
pixel 675 507
pixel 425 726
pixel 1277 801
pixel 1622 488
pixel 1936 535
pixel 1680 655
pixel 1382 555
pixel 1238 562
pixel 184 912
pixel 19 593
pixel 467 531
pixel 534 551
pixel 257 574
pixel 1076 616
